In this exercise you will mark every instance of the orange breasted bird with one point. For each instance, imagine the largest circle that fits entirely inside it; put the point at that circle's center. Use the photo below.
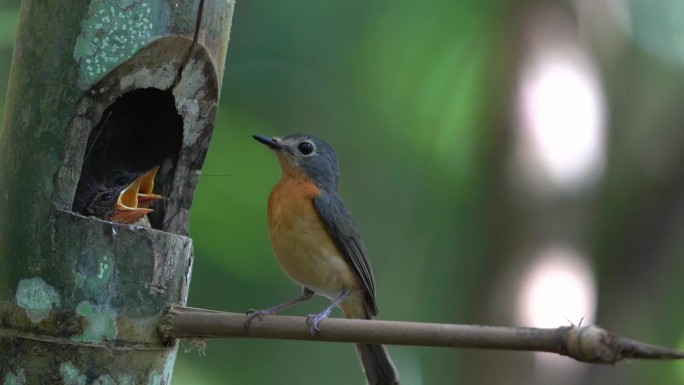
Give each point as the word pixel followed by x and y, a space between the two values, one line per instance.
pixel 318 245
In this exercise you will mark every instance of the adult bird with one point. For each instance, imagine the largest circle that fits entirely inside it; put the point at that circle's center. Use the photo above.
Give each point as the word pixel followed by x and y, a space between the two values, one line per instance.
pixel 318 245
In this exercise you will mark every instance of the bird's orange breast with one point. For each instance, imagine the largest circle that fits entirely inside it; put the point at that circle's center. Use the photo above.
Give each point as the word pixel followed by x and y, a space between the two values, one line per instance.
pixel 302 245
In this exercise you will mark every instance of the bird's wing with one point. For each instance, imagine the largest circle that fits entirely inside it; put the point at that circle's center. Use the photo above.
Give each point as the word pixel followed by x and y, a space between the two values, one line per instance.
pixel 342 228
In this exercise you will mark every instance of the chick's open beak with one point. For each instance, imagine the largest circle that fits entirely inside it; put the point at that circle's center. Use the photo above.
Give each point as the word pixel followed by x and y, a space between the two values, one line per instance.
pixel 127 208
pixel 145 194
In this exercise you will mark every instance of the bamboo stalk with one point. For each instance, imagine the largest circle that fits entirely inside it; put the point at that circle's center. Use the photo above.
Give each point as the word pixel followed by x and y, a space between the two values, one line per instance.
pixel 583 343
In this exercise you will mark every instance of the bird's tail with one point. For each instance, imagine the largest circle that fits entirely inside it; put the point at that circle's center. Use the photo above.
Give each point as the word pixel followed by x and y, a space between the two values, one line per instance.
pixel 374 358
pixel 377 365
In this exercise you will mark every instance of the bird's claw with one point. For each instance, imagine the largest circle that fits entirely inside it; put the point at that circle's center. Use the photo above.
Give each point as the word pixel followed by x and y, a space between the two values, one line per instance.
pixel 253 313
pixel 314 320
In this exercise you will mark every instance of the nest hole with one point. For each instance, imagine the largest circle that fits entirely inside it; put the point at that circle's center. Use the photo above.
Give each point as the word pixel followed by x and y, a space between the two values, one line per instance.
pixel 139 131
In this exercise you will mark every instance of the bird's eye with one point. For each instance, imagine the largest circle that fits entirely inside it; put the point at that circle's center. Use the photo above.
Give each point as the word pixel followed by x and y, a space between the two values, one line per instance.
pixel 305 148
pixel 107 197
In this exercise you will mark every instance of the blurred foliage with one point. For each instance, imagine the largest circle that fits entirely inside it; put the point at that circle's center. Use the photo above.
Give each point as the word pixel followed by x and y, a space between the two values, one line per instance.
pixel 416 98
pixel 398 89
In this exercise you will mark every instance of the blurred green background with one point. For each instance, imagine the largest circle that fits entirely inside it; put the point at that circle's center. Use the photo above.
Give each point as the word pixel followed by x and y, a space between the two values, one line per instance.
pixel 508 163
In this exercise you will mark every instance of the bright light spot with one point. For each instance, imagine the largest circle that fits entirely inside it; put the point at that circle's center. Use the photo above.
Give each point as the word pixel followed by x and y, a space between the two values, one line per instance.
pixel 557 290
pixel 560 120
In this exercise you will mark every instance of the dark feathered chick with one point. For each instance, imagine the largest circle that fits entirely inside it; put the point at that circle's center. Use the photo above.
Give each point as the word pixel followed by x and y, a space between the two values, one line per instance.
pixel 145 193
pixel 123 197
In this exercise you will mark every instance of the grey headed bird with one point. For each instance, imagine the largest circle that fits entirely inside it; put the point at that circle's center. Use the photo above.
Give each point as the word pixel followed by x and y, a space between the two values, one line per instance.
pixel 318 245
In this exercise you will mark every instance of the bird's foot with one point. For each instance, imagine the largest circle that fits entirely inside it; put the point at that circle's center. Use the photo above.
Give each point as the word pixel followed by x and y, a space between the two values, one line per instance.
pixel 315 319
pixel 253 313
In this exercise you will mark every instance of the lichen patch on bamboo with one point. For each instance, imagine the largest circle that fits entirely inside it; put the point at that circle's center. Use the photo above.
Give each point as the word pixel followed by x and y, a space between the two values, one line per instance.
pixel 70 374
pixel 93 274
pixel 12 378
pixel 37 298
pixel 111 32
pixel 100 322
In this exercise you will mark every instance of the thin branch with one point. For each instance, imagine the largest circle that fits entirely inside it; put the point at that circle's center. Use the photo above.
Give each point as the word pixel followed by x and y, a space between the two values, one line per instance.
pixel 585 343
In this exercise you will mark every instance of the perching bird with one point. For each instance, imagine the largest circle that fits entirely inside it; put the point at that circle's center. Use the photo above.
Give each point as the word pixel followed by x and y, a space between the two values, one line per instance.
pixel 123 197
pixel 318 245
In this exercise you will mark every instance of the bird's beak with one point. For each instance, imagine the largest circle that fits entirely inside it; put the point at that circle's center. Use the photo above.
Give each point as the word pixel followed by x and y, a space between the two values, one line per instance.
pixel 270 142
pixel 145 194
pixel 126 209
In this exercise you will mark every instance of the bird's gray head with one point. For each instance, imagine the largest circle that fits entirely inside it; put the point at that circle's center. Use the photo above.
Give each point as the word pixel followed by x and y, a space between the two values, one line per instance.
pixel 306 156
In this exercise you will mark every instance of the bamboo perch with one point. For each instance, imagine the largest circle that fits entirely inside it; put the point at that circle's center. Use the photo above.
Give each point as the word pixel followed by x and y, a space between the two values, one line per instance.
pixel 583 343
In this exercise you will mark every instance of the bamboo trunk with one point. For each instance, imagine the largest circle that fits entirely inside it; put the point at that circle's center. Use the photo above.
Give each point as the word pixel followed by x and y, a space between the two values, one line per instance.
pixel 98 84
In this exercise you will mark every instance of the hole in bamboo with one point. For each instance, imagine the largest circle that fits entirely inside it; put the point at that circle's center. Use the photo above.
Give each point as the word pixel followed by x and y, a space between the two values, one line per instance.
pixel 140 130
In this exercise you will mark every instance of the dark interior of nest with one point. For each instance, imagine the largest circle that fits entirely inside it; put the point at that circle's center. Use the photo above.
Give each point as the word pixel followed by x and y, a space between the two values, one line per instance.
pixel 139 131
